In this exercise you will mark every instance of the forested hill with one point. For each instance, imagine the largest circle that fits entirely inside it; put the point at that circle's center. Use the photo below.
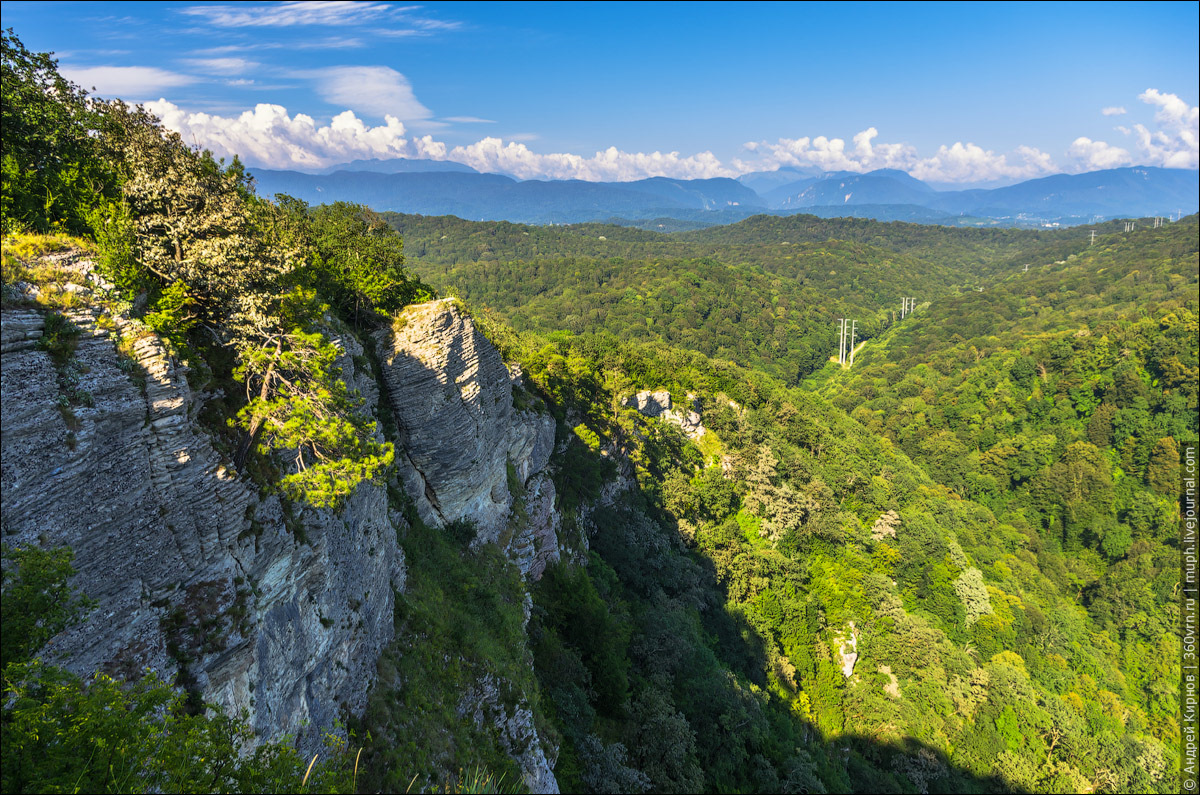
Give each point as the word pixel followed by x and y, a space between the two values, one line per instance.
pixel 1093 359
pixel 983 503
pixel 721 562
pixel 765 292
pixel 449 240
pixel 1060 399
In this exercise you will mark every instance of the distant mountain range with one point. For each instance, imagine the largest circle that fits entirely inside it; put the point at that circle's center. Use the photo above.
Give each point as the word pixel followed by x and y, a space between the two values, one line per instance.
pixel 443 188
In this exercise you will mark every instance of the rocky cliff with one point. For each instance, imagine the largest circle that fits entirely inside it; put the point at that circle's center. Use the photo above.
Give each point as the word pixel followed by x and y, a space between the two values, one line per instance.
pixel 192 569
pixel 259 605
pixel 464 449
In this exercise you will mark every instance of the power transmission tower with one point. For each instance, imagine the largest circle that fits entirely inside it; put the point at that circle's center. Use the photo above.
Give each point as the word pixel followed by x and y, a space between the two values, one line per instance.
pixel 1093 238
pixel 841 340
pixel 853 336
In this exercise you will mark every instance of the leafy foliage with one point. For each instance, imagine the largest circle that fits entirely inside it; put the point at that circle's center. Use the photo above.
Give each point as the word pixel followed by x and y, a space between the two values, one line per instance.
pixel 1016 608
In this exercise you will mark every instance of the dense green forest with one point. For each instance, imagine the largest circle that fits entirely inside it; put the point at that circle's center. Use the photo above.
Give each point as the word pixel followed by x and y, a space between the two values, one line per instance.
pixel 986 500
pixel 950 568
pixel 764 292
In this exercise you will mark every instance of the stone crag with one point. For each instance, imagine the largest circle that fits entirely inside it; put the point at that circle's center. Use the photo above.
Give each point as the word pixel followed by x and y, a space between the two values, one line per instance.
pixel 191 568
pixel 658 405
pixel 462 439
pixel 271 607
pixel 466 453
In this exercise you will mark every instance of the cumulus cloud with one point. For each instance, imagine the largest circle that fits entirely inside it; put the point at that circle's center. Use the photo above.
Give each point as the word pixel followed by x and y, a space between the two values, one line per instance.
pixel 493 154
pixel 1176 144
pixel 130 82
pixel 831 154
pixel 972 163
pixel 374 90
pixel 1116 110
pixel 269 136
pixel 1092 155
pixel 957 163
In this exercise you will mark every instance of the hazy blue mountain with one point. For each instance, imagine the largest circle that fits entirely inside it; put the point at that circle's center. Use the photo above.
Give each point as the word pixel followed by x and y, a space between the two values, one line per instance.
pixel 1137 191
pixel 712 194
pixel 885 195
pixel 763 181
pixel 885 186
pixel 399 165
pixel 477 196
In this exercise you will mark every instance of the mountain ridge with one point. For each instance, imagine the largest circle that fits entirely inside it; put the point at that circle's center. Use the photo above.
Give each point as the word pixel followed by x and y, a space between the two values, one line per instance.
pixel 883 194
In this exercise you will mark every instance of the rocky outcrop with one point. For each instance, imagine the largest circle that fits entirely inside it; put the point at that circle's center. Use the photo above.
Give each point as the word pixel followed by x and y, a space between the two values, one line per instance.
pixel 658 405
pixel 264 606
pixel 485 704
pixel 466 453
pixel 462 440
pixel 446 382
pixel 21 330
pixel 535 543
pixel 194 573
pixel 652 404
pixel 846 648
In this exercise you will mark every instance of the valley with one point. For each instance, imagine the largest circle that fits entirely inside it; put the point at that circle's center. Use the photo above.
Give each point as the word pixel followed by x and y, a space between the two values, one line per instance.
pixel 309 488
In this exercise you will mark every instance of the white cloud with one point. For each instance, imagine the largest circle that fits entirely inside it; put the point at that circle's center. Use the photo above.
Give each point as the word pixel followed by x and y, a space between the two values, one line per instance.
pixel 269 136
pixel 1176 144
pixel 282 15
pixel 493 154
pixel 957 163
pixel 127 82
pixel 1092 155
pixel 1116 110
pixel 831 154
pixel 331 13
pixel 222 66
pixel 972 163
pixel 328 43
pixel 374 90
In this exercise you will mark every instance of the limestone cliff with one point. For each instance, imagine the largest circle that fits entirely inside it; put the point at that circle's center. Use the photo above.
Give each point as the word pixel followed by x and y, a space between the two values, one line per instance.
pixel 270 607
pixel 191 568
pixel 466 454
pixel 465 448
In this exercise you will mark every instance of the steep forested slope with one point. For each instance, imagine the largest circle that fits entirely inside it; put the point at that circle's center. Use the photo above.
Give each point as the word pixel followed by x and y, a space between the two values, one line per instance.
pixel 1007 579
pixel 950 568
pixel 1060 399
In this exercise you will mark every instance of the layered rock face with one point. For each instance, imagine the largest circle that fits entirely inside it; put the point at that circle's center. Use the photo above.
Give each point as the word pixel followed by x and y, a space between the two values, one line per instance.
pixel 191 569
pixel 277 609
pixel 467 454
pixel 451 395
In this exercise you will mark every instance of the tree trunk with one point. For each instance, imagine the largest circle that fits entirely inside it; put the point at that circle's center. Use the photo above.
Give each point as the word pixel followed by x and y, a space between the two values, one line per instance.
pixel 251 434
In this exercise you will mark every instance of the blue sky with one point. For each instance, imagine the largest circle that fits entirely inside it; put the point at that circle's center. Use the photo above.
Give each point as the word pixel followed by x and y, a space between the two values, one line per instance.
pixel 952 93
